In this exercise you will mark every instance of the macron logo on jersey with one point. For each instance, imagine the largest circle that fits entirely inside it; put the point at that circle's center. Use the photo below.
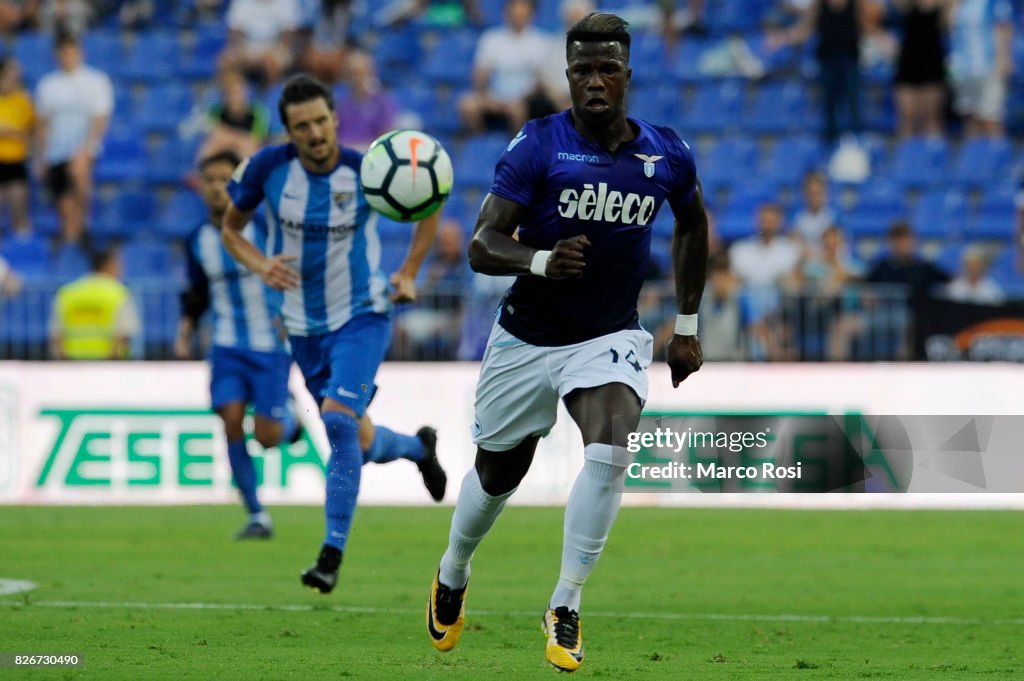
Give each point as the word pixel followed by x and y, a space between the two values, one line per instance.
pixel 579 158
pixel 607 206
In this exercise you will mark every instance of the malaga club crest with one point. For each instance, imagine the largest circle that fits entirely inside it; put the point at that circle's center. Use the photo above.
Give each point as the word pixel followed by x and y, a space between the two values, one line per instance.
pixel 649 162
pixel 341 198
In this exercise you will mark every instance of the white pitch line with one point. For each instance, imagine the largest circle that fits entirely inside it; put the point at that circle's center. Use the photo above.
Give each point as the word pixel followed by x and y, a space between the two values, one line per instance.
pixel 677 616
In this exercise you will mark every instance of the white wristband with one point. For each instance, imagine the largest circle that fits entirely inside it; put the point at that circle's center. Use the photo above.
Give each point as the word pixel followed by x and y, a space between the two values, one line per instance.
pixel 686 325
pixel 539 264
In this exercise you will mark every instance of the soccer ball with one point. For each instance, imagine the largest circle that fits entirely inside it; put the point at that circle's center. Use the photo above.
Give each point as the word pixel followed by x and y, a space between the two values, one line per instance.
pixel 406 175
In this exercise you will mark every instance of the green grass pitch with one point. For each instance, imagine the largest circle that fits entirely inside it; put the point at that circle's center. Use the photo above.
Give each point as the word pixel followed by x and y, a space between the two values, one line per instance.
pixel 678 594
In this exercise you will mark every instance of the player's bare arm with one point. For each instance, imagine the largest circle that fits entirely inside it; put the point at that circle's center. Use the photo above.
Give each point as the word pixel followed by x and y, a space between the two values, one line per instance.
pixel 404 280
pixel 494 251
pixel 689 265
pixel 275 271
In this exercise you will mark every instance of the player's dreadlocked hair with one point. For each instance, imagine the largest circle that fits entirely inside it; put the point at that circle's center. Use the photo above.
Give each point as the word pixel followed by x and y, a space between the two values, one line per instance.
pixel 302 88
pixel 599 27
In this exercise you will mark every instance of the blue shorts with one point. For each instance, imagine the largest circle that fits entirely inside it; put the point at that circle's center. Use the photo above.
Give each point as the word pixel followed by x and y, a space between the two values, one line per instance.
pixel 342 364
pixel 252 377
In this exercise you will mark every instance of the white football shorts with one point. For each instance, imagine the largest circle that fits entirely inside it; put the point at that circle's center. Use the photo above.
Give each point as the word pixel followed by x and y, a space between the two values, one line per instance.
pixel 520 384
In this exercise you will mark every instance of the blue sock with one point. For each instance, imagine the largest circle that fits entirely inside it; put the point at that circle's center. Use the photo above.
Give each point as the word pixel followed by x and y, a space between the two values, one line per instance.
pixel 389 445
pixel 343 472
pixel 244 472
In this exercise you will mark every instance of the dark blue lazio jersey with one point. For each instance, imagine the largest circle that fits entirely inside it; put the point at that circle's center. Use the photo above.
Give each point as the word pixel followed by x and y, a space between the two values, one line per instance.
pixel 570 185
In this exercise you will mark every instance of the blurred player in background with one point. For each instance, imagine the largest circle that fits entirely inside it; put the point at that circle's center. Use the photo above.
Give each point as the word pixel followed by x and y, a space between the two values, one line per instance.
pixel 582 187
pixel 325 255
pixel 249 363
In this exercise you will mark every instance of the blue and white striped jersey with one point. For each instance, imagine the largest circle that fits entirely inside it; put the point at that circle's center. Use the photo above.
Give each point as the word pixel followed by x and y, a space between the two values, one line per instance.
pixel 244 308
pixel 325 221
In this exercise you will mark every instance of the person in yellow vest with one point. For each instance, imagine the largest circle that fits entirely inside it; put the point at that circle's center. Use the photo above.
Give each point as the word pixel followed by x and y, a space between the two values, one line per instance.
pixel 17 119
pixel 94 317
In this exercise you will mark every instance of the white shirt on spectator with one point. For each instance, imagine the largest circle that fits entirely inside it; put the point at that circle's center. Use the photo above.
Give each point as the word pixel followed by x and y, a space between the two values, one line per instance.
pixel 810 226
pixel 262 21
pixel 757 263
pixel 515 60
pixel 70 101
pixel 984 292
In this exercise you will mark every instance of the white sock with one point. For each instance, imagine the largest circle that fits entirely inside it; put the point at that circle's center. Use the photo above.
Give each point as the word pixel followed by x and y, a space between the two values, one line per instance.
pixel 262 518
pixel 589 514
pixel 475 513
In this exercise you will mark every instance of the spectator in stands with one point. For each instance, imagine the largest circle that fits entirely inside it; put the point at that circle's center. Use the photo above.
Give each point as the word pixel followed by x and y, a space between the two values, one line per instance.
pixel 17 15
pixel 70 16
pixel 506 67
pixel 430 330
pixel 838 26
pixel 920 80
pixel 10 282
pixel 261 38
pixel 552 92
pixel 762 263
pixel 888 316
pixel 237 121
pixel 73 105
pixel 829 268
pixel 367 110
pixel 94 317
pixel 972 284
pixel 325 38
pixel 981 63
pixel 768 257
pixel 724 314
pixel 435 12
pixel 816 215
pixel 481 304
pixel 17 118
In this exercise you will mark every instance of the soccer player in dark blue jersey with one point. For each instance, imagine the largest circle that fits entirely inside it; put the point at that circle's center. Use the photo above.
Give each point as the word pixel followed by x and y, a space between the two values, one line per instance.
pixel 582 187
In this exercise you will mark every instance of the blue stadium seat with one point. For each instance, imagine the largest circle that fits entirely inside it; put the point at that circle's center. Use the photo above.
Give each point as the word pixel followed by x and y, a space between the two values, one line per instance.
pixel 147 257
pixel 684 64
pixel 154 58
pixel 69 262
pixel 981 162
pixel 732 224
pixel 878 206
pixel 778 108
pixel 649 59
pixel 735 16
pixel 718 168
pixel 28 255
pixel 658 104
pixel 123 159
pixel 475 162
pixel 163 107
pixel 182 214
pixel 939 215
pixel 34 51
pixel 920 163
pixel 714 108
pixel 790 158
pixel 128 214
pixel 450 61
pixel 995 220
pixel 171 161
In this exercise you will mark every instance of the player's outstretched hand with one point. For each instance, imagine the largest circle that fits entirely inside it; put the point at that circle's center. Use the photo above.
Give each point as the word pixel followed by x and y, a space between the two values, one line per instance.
pixel 404 289
pixel 566 261
pixel 278 274
pixel 684 357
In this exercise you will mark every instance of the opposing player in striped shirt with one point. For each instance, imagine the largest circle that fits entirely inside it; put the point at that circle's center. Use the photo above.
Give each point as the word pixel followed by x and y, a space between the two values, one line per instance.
pixel 324 253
